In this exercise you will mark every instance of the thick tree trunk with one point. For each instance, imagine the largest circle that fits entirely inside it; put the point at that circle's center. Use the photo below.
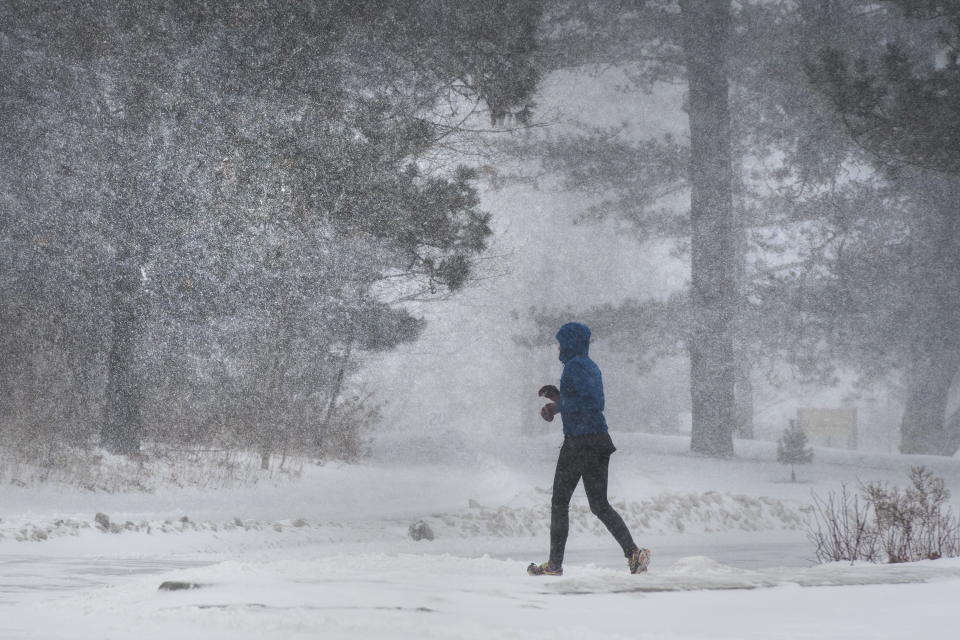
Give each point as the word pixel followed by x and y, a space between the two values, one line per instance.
pixel 929 379
pixel 934 344
pixel 141 187
pixel 743 385
pixel 706 24
pixel 120 431
pixel 923 429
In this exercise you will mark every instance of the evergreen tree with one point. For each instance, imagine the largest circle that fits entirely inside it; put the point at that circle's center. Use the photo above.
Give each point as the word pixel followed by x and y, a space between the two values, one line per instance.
pixel 900 98
pixel 231 192
pixel 792 448
pixel 874 288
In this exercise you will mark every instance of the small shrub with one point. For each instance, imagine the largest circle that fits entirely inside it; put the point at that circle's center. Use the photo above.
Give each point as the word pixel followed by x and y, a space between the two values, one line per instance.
pixel 915 523
pixel 842 528
pixel 887 523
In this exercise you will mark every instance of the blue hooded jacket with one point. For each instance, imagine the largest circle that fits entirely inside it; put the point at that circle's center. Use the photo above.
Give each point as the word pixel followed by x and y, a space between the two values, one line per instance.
pixel 581 384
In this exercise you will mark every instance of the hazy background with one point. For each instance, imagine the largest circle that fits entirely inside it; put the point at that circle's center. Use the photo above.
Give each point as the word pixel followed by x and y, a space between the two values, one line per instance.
pixel 468 373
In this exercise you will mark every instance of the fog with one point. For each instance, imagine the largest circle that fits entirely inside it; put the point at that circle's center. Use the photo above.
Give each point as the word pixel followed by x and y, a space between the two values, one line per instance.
pixel 475 375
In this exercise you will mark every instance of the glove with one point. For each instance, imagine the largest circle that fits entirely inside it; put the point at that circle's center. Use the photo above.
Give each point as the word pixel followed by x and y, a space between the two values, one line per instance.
pixel 549 391
pixel 547 411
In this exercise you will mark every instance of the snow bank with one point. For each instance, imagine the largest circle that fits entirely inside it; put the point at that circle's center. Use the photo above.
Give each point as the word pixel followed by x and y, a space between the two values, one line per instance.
pixel 665 513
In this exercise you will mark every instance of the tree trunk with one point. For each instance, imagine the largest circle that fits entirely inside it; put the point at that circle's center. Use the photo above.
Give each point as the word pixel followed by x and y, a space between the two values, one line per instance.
pixel 141 187
pixel 706 24
pixel 924 426
pixel 120 431
pixel 934 344
pixel 335 393
pixel 743 385
pixel 273 432
pixel 743 391
pixel 953 433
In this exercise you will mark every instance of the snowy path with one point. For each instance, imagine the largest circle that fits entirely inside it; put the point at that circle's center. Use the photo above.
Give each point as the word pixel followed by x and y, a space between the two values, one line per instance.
pixel 446 596
pixel 24 575
pixel 739 586
pixel 39 572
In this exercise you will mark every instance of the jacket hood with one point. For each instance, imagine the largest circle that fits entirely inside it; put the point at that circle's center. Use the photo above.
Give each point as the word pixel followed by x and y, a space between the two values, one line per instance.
pixel 574 339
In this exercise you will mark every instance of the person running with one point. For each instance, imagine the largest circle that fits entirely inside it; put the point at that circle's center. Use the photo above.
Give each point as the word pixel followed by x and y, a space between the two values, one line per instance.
pixel 585 452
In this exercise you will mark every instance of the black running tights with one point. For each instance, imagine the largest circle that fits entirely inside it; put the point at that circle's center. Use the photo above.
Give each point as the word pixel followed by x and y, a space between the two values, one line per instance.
pixel 575 463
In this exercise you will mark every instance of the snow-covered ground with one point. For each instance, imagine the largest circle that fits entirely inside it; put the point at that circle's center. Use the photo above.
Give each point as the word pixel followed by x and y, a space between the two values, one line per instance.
pixel 327 554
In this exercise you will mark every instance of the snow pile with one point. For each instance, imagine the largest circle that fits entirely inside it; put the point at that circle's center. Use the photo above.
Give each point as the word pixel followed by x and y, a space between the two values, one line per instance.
pixel 665 513
pixel 26 530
